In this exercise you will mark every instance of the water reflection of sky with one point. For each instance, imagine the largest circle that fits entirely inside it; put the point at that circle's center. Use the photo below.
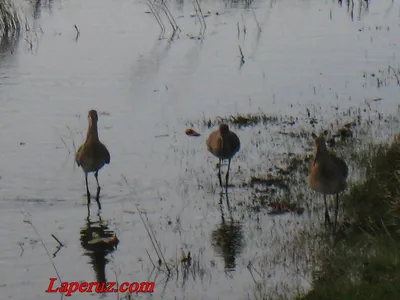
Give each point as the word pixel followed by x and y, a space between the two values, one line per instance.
pixel 308 55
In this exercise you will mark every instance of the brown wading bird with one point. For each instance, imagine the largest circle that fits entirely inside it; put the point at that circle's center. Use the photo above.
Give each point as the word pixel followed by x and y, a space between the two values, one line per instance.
pixel 224 144
pixel 327 174
pixel 92 155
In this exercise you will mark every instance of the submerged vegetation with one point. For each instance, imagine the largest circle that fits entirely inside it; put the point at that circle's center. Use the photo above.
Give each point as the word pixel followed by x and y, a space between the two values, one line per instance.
pixel 362 260
pixel 269 228
pixel 243 120
pixel 316 259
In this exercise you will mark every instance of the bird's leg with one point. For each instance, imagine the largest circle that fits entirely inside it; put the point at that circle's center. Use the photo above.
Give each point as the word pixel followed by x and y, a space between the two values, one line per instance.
pixel 336 212
pixel 327 219
pixel 97 180
pixel 221 207
pixel 87 191
pixel 88 214
pixel 227 174
pixel 98 189
pixel 228 205
pixel 219 172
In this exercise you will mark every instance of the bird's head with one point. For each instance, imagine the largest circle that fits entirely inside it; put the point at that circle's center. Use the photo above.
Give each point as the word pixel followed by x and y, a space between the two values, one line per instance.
pixel 319 146
pixel 92 116
pixel 224 129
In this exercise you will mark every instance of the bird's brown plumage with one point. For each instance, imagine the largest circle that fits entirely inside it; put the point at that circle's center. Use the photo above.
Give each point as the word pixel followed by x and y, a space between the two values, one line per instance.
pixel 92 155
pixel 327 174
pixel 223 144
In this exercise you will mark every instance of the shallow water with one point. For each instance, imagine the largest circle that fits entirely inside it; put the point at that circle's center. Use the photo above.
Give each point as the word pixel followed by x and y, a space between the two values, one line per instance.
pixel 308 54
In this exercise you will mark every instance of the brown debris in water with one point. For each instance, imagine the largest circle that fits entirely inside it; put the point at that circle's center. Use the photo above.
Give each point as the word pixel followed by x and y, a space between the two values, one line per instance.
pixel 271 181
pixel 284 207
pixel 191 132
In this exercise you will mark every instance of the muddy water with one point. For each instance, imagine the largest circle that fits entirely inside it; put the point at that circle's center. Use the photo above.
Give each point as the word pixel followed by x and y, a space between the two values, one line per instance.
pixel 306 54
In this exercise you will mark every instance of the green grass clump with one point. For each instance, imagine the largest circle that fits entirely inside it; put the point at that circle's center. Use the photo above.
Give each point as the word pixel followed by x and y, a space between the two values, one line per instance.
pixel 246 120
pixel 364 262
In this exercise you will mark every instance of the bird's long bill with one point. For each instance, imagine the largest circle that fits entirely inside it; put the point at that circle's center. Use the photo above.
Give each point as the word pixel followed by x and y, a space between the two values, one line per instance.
pixel 316 156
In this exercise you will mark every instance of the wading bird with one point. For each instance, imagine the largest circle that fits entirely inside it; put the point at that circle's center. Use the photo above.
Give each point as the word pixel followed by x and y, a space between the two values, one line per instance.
pixel 92 155
pixel 224 144
pixel 327 174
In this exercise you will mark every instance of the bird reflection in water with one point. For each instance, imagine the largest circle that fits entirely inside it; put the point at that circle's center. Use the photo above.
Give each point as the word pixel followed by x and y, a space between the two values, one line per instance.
pixel 98 241
pixel 227 238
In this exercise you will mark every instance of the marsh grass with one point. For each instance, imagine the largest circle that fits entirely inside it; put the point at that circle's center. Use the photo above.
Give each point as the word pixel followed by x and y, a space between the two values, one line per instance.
pixel 243 120
pixel 9 19
pixel 364 261
pixel 382 78
pixel 303 246
pixel 280 217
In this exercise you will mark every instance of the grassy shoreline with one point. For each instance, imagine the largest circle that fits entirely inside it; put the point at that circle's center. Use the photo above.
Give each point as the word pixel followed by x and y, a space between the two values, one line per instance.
pixel 363 261
pixel 360 261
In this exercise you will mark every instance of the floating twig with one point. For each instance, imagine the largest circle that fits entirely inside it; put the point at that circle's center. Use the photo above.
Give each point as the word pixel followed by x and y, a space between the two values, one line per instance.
pixel 30 43
pixel 22 248
pixel 255 19
pixel 394 73
pixel 77 32
pixel 158 244
pixel 116 279
pixel 65 144
pixel 148 254
pixel 56 252
pixel 45 248
pixel 58 241
pixel 153 240
pixel 72 138
pixel 241 56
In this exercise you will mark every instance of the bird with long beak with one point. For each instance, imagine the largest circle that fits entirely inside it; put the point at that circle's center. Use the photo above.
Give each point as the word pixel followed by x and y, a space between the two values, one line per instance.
pixel 92 155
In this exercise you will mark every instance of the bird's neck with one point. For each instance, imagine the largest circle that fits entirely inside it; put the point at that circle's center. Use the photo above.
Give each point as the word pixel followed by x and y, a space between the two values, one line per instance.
pixel 224 135
pixel 92 133
pixel 323 151
pixel 321 155
pixel 223 140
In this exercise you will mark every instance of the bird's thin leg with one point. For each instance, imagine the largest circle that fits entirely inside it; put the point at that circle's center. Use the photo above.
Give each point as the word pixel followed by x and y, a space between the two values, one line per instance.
pixel 228 205
pixel 221 207
pixel 219 172
pixel 336 212
pixel 227 174
pixel 327 219
pixel 99 215
pixel 88 214
pixel 97 180
pixel 87 191
pixel 98 190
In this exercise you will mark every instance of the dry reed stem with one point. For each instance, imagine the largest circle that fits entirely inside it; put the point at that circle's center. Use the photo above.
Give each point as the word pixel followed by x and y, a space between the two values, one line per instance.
pixel 45 248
